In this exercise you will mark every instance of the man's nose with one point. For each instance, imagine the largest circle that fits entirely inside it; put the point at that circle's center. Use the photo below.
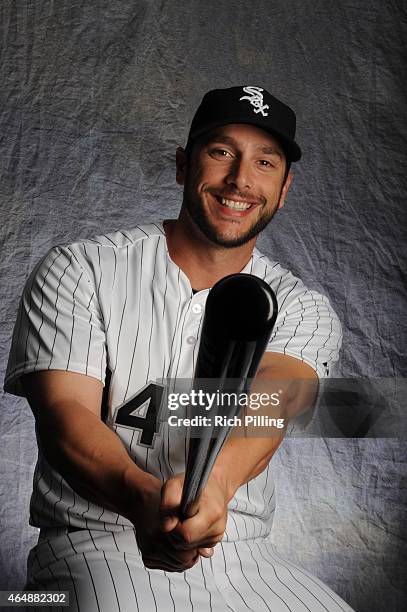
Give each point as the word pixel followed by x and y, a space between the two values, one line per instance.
pixel 239 174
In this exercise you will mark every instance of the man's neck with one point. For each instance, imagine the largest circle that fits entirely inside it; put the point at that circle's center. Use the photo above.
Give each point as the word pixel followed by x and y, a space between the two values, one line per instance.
pixel 203 262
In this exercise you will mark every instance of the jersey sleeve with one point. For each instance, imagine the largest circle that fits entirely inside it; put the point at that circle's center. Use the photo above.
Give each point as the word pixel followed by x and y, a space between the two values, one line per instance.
pixel 307 328
pixel 59 325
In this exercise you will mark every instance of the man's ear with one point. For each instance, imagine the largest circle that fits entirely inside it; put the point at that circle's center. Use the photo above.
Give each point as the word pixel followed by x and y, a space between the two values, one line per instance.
pixel 285 189
pixel 181 163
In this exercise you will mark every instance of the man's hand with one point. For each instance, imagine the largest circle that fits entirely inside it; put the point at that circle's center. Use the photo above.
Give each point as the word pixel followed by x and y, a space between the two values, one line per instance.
pixel 156 546
pixel 206 525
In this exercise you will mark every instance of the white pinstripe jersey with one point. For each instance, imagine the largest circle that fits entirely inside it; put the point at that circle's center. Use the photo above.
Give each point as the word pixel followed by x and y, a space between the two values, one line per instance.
pixel 119 303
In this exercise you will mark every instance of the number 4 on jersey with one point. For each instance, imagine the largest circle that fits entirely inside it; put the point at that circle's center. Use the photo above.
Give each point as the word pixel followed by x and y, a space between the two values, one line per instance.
pixel 147 403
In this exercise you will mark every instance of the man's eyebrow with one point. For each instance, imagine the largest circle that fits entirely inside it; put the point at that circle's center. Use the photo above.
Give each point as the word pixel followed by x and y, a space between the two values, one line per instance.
pixel 269 150
pixel 221 138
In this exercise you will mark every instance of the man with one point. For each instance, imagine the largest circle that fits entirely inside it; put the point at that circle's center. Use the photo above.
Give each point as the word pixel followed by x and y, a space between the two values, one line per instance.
pixel 130 304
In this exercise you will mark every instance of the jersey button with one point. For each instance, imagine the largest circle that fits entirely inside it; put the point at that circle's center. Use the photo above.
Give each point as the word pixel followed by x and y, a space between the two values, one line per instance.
pixel 197 308
pixel 191 340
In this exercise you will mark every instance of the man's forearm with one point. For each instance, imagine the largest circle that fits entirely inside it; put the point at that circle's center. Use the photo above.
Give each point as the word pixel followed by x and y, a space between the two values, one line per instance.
pixel 242 459
pixel 91 458
pixel 248 450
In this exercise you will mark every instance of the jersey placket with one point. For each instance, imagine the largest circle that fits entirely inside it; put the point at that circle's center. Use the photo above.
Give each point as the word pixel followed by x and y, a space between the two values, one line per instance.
pixel 191 333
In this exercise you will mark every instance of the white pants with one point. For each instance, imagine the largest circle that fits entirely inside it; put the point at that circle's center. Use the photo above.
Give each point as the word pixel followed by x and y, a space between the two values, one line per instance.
pixel 104 572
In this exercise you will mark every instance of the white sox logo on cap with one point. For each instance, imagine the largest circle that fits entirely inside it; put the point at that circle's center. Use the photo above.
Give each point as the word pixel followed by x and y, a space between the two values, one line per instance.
pixel 255 98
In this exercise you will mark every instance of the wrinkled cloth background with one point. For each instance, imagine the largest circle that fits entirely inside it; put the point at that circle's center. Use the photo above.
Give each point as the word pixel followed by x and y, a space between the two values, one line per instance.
pixel 96 96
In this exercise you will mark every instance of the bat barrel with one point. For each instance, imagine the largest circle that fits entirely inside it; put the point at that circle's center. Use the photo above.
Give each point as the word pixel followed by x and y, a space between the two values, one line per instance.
pixel 240 313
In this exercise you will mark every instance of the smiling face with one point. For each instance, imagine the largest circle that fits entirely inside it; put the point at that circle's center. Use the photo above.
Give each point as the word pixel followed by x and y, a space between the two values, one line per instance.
pixel 233 183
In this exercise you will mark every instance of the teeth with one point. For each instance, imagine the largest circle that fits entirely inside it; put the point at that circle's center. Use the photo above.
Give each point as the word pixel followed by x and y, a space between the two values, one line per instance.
pixel 236 205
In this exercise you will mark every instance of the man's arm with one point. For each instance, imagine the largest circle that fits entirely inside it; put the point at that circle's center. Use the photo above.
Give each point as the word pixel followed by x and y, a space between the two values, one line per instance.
pixel 243 458
pixel 75 441
pixel 93 460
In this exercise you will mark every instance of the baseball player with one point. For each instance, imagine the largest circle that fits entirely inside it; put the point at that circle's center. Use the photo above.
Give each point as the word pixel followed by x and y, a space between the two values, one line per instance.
pixel 101 323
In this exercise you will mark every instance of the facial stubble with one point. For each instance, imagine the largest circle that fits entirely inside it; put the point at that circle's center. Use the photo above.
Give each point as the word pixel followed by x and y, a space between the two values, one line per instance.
pixel 197 212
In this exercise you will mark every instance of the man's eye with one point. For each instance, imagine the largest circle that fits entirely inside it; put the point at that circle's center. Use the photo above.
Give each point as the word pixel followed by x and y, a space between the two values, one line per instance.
pixel 220 153
pixel 265 163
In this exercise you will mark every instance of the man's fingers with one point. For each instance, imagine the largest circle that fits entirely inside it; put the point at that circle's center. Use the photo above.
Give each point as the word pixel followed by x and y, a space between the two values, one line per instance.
pixel 171 493
pixel 206 552
pixel 208 541
pixel 169 523
pixel 199 529
pixel 206 525
pixel 165 555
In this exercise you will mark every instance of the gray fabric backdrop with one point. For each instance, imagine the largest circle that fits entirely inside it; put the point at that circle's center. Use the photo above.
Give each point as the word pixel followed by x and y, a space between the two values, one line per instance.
pixel 95 97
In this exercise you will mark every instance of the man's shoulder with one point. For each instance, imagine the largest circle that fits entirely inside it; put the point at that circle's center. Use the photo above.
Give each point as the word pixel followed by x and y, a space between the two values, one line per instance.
pixel 123 238
pixel 290 290
pixel 109 245
pixel 101 254
pixel 274 273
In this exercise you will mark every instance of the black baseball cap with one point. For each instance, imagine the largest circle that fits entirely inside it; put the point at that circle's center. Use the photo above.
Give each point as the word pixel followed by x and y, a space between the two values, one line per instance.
pixel 247 104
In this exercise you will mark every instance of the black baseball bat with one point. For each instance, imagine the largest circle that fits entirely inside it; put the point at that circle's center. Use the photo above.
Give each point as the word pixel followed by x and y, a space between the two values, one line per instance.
pixel 240 313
